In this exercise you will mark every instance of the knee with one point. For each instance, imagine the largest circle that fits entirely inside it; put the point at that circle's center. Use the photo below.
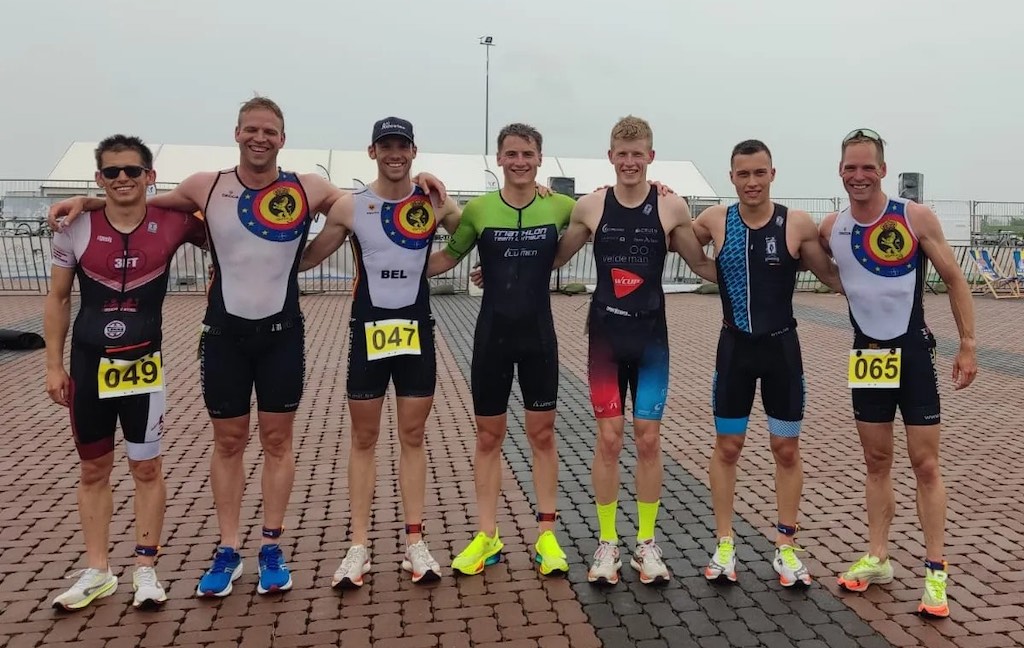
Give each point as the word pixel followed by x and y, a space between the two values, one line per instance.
pixel 411 437
pixel 147 471
pixel 489 441
pixel 230 441
pixel 878 461
pixel 543 439
pixel 728 448
pixel 277 443
pixel 96 472
pixel 926 469
pixel 787 453
pixel 609 445
pixel 648 446
pixel 365 438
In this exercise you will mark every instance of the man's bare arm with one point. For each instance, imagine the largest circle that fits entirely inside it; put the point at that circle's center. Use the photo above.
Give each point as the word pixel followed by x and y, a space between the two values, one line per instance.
pixel 441 262
pixel 56 321
pixel 813 256
pixel 684 240
pixel 578 231
pixel 332 236
pixel 448 215
pixel 188 196
pixel 928 229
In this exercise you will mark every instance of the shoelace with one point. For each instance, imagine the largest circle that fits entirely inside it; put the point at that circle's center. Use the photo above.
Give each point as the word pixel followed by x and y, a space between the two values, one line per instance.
pixel 146 577
pixel 273 558
pixel 936 587
pixel 605 553
pixel 650 550
pixel 724 552
pixel 353 558
pixel 419 553
pixel 84 576
pixel 788 555
pixel 864 563
pixel 221 562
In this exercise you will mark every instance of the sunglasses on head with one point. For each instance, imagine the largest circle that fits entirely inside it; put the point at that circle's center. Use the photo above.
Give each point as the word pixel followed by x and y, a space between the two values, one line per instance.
pixel 862 133
pixel 132 171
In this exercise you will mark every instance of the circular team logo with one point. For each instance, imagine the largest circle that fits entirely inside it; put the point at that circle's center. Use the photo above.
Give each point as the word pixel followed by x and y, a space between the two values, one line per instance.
pixel 886 248
pixel 276 213
pixel 410 223
pixel 114 329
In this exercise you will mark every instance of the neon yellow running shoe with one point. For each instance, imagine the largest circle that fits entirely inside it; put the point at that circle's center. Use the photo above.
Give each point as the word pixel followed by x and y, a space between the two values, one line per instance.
pixel 483 551
pixel 92 584
pixel 934 603
pixel 550 557
pixel 866 571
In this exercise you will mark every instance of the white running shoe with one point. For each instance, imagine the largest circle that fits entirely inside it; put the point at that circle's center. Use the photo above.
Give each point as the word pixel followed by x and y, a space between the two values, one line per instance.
pixel 421 564
pixel 647 560
pixel 92 584
pixel 723 563
pixel 148 590
pixel 606 565
pixel 355 564
pixel 789 568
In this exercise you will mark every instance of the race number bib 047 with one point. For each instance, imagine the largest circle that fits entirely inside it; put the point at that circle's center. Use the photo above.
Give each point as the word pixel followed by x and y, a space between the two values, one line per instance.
pixel 118 377
pixel 394 337
pixel 875 368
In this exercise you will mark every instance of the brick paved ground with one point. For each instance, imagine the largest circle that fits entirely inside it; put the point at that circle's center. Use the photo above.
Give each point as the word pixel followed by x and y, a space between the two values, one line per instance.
pixel 510 605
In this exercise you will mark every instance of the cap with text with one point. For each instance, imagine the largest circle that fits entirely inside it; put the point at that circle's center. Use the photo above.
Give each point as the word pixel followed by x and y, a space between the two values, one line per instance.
pixel 392 126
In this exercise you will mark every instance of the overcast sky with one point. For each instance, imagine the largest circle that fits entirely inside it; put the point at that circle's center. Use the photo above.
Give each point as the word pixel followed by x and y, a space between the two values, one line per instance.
pixel 942 80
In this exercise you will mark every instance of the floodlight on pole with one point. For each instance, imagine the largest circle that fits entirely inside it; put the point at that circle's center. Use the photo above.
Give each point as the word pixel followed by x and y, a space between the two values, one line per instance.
pixel 488 43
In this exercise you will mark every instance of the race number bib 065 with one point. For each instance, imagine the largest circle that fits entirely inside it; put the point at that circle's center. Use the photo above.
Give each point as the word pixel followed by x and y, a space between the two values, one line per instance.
pixel 118 377
pixel 875 368
pixel 394 337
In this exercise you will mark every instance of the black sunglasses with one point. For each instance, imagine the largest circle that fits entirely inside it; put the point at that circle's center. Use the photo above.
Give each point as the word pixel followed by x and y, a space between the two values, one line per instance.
pixel 132 171
pixel 865 133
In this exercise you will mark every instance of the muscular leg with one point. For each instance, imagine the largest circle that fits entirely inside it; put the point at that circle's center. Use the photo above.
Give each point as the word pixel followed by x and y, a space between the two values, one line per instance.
pixel 95 506
pixel 362 464
pixel 649 462
pixel 490 434
pixel 412 463
pixel 605 470
pixel 789 480
pixel 923 447
pixel 876 439
pixel 540 430
pixel 150 503
pixel 276 429
pixel 722 474
pixel 227 474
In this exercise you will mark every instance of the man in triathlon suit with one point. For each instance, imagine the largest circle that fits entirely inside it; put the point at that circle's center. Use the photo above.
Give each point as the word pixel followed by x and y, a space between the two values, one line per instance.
pixel 760 247
pixel 391 335
pixel 882 246
pixel 517 231
pixel 257 219
pixel 631 225
pixel 121 256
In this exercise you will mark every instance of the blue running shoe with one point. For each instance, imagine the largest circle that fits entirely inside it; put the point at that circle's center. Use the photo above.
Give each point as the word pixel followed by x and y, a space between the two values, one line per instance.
pixel 274 574
pixel 226 568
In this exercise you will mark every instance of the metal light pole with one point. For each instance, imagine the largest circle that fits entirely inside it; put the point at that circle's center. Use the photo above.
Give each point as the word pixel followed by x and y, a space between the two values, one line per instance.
pixel 488 43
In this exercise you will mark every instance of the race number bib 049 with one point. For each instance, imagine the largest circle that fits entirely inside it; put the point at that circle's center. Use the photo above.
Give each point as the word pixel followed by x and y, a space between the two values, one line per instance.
pixel 875 368
pixel 118 377
pixel 394 337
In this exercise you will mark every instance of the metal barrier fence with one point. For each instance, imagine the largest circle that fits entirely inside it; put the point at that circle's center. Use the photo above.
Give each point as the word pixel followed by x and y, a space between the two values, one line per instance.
pixel 25 242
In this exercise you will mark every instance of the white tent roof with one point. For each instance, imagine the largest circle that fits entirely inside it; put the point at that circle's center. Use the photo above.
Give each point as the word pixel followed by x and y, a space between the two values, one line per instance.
pixel 461 173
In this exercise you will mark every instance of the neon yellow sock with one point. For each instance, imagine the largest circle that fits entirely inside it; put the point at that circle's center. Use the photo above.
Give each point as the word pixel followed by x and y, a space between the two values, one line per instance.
pixel 606 518
pixel 648 512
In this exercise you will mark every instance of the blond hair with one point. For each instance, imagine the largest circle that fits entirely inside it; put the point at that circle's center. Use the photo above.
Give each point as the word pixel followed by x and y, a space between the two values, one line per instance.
pixel 261 103
pixel 632 128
